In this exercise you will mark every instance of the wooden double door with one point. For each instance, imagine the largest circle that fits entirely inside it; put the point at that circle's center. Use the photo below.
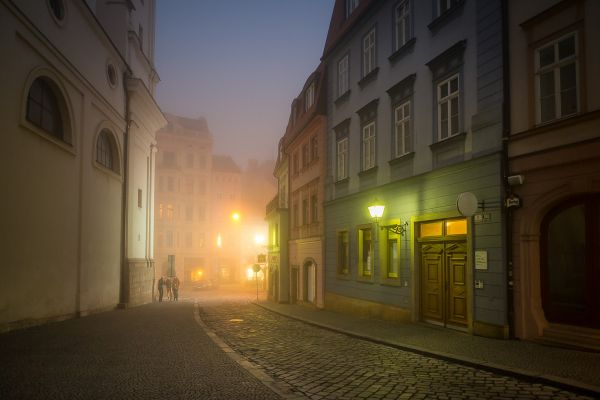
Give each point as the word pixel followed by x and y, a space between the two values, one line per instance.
pixel 444 294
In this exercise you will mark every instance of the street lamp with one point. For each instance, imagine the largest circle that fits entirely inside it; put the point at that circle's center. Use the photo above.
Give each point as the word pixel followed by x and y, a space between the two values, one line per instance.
pixel 376 212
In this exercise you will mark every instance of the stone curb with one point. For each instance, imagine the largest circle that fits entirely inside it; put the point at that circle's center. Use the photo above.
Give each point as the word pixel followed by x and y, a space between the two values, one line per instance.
pixel 281 389
pixel 522 374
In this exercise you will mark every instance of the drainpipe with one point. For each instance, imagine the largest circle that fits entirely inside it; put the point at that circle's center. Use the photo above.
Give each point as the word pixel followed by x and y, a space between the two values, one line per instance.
pixel 505 170
pixel 124 287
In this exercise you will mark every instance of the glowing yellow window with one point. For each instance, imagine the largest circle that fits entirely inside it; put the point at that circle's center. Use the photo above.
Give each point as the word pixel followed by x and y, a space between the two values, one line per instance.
pixel 431 229
pixel 456 227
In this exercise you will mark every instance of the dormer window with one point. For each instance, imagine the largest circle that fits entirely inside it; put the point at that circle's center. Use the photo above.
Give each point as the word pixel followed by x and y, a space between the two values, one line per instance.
pixel 350 6
pixel 309 97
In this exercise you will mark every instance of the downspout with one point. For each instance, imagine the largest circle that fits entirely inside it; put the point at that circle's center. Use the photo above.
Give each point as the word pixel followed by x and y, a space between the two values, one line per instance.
pixel 505 171
pixel 124 288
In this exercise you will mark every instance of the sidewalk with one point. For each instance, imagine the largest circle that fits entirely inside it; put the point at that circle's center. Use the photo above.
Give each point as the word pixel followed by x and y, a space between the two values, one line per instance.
pixel 570 369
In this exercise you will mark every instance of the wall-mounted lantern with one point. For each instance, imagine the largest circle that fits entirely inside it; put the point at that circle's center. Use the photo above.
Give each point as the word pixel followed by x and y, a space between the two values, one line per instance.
pixel 376 212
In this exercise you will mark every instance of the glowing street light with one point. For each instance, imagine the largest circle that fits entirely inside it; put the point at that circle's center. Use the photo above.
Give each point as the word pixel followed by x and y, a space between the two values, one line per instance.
pixel 219 241
pixel 235 216
pixel 376 210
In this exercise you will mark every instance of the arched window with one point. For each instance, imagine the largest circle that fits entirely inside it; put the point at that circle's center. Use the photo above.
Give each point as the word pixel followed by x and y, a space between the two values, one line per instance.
pixel 43 109
pixel 106 151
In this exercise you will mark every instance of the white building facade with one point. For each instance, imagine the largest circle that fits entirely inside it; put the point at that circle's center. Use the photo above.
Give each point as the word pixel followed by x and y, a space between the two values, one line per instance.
pixel 79 121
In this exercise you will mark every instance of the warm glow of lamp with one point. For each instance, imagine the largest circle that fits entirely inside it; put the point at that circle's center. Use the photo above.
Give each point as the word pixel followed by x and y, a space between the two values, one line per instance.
pixel 235 216
pixel 376 211
pixel 259 239
pixel 219 241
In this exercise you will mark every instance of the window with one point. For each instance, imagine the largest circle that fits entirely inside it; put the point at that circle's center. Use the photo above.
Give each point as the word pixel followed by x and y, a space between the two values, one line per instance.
pixel 402 134
pixel 58 9
pixel 170 184
pixel 43 109
pixel 305 155
pixel 368 146
pixel 188 239
pixel 295 216
pixel 448 104
pixel 402 24
pixel 314 148
pixel 189 213
pixel 140 199
pixel 105 150
pixel 169 236
pixel 202 186
pixel 190 161
pixel 369 52
pixel 343 253
pixel 309 97
pixel 342 159
pixel 393 255
pixel 296 163
pixel 189 185
pixel 365 252
pixel 305 211
pixel 201 213
pixel 556 79
pixel 314 208
pixel 445 5
pixel 350 6
pixel 343 75
pixel 170 212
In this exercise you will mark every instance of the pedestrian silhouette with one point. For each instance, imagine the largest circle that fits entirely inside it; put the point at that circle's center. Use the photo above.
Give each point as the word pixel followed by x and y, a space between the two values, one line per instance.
pixel 161 285
pixel 175 288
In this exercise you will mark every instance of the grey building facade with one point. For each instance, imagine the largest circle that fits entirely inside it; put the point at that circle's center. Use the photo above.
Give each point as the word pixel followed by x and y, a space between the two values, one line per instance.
pixel 415 122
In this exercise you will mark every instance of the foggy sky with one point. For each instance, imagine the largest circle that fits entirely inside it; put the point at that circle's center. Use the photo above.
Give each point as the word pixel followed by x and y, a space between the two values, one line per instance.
pixel 239 64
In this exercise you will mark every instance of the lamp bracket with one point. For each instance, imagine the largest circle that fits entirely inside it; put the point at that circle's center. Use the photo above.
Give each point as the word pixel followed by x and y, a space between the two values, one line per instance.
pixel 399 229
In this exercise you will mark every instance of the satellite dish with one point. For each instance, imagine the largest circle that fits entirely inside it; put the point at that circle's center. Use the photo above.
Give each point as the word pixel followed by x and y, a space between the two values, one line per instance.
pixel 467 204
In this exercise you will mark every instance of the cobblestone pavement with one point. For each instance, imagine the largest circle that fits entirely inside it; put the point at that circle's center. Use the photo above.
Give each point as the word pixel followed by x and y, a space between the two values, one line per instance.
pixel 321 364
pixel 156 351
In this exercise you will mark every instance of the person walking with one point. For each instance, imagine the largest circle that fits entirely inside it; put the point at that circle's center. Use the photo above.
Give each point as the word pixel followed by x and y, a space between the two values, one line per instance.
pixel 168 285
pixel 175 288
pixel 161 286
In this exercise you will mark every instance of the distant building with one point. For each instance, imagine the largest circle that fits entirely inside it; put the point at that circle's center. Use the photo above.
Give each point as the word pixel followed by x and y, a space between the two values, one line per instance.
pixel 79 121
pixel 554 160
pixel 414 103
pixel 184 244
pixel 226 219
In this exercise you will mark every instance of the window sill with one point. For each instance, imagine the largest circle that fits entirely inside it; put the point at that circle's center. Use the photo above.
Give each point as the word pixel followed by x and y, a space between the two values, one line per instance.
pixel 342 181
pixel 66 146
pixel 404 157
pixel 343 98
pixel 107 171
pixel 365 279
pixel 368 78
pixel 395 282
pixel 345 276
pixel 368 172
pixel 403 50
pixel 459 137
pixel 446 17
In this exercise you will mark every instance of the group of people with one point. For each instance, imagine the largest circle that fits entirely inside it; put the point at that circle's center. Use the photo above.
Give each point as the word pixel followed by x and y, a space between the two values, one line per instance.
pixel 172 285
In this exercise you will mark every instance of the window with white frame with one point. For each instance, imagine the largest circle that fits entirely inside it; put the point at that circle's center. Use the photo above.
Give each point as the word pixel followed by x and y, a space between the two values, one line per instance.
pixel 343 253
pixel 365 250
pixel 368 146
pixel 309 97
pixel 342 158
pixel 402 24
pixel 350 6
pixel 448 107
pixel 343 75
pixel 445 5
pixel 393 255
pixel 556 79
pixel 402 129
pixel 369 52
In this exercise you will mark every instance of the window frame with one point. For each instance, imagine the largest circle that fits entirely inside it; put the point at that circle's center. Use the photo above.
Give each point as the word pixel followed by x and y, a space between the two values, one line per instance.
pixel 440 101
pixel 369 52
pixel 342 159
pixel 407 137
pixel 351 5
pixel 343 77
pixel 366 267
pixel 368 146
pixel 555 68
pixel 343 246
pixel 407 19
pixel 309 97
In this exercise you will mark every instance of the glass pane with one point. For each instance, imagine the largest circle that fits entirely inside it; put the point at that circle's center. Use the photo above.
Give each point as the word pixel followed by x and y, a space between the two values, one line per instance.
pixel 547 84
pixel 546 56
pixel 444 90
pixel 430 229
pixel 548 109
pixel 456 227
pixel 454 85
pixel 454 125
pixel 393 258
pixel 568 102
pixel 568 76
pixel 34 113
pixel 566 258
pixel 566 47
pixel 568 85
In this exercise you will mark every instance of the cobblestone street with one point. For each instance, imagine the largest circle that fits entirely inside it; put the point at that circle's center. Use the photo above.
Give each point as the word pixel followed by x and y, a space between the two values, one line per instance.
pixel 321 364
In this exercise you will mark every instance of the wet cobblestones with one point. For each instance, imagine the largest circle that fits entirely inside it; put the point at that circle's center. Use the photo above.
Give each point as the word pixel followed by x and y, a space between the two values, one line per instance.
pixel 322 364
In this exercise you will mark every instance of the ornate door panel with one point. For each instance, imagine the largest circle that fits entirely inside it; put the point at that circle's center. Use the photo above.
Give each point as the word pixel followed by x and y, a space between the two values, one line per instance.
pixel 456 267
pixel 432 289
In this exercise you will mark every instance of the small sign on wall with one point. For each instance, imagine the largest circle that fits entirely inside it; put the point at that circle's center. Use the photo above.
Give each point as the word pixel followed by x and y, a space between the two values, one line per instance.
pixel 481 259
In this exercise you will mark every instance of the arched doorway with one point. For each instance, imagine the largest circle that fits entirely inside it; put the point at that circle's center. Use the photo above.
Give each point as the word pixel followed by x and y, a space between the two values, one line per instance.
pixel 570 262
pixel 310 281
